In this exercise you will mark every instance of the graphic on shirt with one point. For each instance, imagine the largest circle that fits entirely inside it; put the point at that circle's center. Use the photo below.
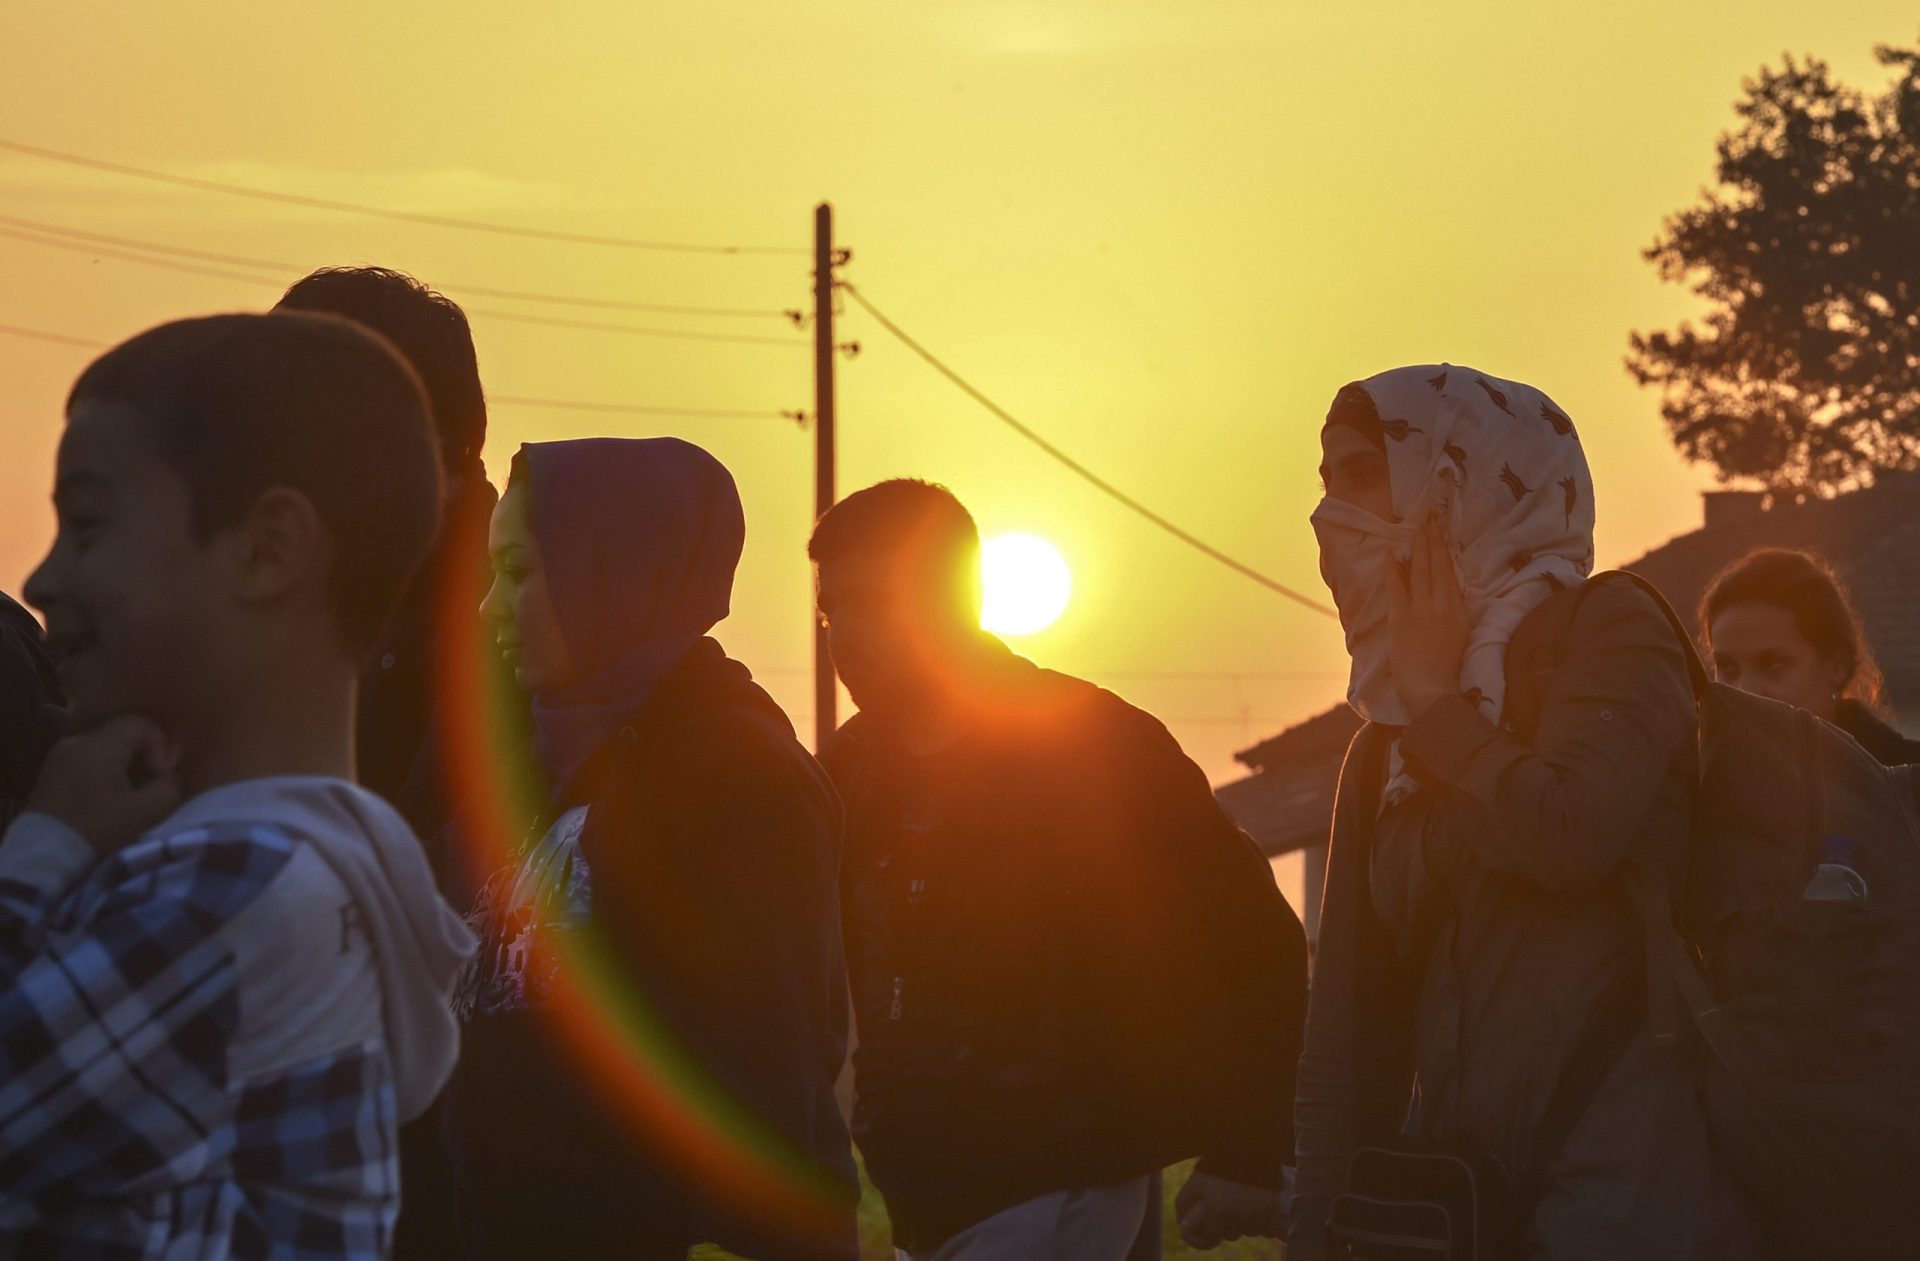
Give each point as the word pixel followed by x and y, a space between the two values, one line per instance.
pixel 519 910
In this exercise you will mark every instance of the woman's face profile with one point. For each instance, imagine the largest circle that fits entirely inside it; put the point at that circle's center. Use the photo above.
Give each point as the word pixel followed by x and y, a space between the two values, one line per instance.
pixel 1759 649
pixel 519 606
pixel 1354 470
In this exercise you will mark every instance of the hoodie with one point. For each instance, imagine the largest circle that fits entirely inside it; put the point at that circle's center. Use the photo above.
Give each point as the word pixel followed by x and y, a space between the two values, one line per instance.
pixel 208 1039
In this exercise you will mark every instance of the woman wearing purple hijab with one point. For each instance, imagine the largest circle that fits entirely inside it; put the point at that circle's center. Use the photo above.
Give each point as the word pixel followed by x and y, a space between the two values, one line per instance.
pixel 690 849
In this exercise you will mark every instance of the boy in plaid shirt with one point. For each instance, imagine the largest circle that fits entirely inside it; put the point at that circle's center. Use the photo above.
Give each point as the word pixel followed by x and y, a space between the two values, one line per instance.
pixel 223 966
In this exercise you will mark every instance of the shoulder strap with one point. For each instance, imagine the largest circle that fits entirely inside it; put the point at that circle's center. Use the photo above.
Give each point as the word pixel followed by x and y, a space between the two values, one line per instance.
pixel 1616 1023
pixel 1696 668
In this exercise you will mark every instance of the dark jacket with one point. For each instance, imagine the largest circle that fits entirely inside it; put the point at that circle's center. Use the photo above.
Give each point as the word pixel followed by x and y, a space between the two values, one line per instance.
pixel 1069 967
pixel 1475 935
pixel 435 646
pixel 435 665
pixel 696 1005
pixel 31 713
pixel 1886 744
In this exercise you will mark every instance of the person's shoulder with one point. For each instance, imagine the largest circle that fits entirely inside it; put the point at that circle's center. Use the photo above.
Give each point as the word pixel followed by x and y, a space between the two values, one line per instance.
pixel 215 868
pixel 1070 722
pixel 1095 711
pixel 740 748
pixel 732 730
pixel 1606 607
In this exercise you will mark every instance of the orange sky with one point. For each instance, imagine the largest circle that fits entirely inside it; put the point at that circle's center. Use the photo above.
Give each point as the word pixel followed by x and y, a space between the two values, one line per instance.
pixel 1163 234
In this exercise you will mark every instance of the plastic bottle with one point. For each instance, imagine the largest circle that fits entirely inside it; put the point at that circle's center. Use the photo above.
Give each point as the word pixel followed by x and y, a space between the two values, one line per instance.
pixel 1835 879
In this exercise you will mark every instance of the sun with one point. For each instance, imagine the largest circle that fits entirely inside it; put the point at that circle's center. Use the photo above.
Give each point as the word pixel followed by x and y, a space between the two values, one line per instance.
pixel 1027 584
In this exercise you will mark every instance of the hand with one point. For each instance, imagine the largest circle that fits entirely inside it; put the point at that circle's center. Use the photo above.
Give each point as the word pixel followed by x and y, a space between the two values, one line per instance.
pixel 109 784
pixel 1426 623
pixel 1215 1210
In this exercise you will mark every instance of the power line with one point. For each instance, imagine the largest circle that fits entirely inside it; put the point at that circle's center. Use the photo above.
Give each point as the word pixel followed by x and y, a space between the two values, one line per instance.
pixel 289 269
pixel 1222 676
pixel 515 317
pixel 636 409
pixel 60 339
pixel 1100 483
pixel 507 400
pixel 634 330
pixel 381 212
pixel 1202 676
pixel 191 269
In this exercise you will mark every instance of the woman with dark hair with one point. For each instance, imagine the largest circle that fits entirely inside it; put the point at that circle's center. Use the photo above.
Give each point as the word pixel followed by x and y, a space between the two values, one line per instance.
pixel 1479 982
pixel 683 884
pixel 1779 624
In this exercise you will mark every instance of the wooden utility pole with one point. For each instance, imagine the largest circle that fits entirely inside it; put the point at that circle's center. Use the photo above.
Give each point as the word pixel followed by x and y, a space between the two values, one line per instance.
pixel 826 688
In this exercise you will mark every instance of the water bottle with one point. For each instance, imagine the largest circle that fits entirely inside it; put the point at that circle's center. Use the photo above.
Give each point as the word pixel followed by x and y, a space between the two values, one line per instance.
pixel 1835 879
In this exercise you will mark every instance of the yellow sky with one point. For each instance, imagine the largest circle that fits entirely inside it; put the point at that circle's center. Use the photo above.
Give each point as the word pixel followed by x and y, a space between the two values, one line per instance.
pixel 1162 233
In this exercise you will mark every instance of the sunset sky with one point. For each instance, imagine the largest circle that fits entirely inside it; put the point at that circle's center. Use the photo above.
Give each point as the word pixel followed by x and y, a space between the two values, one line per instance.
pixel 1163 234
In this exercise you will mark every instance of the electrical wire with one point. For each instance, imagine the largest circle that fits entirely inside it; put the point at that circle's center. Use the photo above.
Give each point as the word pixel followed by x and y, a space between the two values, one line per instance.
pixel 381 212
pixel 506 400
pixel 59 339
pixel 635 409
pixel 1087 474
pixel 515 317
pixel 634 330
pixel 291 269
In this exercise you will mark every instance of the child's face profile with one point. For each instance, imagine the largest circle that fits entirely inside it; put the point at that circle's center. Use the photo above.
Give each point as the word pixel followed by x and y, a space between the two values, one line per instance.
pixel 127 592
pixel 519 606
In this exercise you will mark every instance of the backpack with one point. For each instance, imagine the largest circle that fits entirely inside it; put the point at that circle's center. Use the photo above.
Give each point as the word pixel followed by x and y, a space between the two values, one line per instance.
pixel 1793 944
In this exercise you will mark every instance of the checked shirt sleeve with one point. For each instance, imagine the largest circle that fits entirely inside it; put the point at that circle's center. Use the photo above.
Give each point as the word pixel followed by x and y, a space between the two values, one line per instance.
pixel 117 1003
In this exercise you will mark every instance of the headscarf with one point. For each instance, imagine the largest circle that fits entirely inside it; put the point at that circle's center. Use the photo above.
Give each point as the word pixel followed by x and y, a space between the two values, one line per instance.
pixel 1501 463
pixel 639 539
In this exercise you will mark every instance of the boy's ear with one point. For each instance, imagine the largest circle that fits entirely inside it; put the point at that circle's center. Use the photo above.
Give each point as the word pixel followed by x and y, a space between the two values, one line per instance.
pixel 284 546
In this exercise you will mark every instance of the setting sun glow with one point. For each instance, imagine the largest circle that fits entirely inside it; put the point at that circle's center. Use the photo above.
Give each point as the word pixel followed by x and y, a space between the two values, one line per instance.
pixel 1027 584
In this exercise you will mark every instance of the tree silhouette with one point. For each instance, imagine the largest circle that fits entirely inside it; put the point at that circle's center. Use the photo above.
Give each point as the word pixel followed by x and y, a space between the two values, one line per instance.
pixel 1804 376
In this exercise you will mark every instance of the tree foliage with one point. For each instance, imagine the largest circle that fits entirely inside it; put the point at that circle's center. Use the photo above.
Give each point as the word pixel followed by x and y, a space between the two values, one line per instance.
pixel 1803 378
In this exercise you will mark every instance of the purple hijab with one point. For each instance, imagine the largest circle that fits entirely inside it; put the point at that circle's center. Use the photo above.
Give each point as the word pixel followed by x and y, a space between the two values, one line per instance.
pixel 639 538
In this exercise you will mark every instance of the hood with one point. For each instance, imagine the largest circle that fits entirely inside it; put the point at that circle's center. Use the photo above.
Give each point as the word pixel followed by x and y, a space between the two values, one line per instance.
pixel 639 539
pixel 1504 467
pixel 419 942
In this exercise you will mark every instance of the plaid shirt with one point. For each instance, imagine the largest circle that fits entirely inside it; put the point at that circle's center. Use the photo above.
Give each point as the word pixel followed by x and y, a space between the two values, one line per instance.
pixel 122 1132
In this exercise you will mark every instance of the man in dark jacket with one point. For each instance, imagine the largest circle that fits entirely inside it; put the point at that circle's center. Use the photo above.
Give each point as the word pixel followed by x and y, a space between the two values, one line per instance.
pixel 1069 968
pixel 31 713
pixel 436 638
pixel 433 661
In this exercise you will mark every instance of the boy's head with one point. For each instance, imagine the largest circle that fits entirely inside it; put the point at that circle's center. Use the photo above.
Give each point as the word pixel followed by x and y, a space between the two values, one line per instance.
pixel 897 570
pixel 431 333
pixel 230 491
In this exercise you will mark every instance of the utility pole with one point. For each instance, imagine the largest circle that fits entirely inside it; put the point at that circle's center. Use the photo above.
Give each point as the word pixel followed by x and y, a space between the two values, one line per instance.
pixel 826 688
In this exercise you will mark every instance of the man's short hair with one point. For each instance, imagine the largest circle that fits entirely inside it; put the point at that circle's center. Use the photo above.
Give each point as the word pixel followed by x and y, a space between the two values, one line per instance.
pixel 238 404
pixel 428 329
pixel 919 521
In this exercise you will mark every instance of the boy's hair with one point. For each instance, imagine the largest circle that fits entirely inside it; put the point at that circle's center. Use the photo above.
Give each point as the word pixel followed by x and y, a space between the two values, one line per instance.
pixel 428 329
pixel 920 522
pixel 238 404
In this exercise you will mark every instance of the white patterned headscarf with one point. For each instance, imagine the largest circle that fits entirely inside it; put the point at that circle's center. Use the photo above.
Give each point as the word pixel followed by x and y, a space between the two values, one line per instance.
pixel 1501 463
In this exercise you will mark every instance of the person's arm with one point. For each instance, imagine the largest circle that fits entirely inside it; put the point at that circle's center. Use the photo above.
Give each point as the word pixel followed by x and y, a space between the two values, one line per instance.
pixel 1563 810
pixel 112 1034
pixel 1356 1065
pixel 1194 941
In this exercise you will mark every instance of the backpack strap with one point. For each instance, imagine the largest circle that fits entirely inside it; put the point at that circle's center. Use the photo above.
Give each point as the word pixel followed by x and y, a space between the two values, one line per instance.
pixel 1615 1024
pixel 1696 668
pixel 1672 961
pixel 1674 974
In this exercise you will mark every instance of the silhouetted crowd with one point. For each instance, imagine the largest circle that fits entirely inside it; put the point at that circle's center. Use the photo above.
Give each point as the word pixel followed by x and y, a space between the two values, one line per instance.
pixel 398 867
